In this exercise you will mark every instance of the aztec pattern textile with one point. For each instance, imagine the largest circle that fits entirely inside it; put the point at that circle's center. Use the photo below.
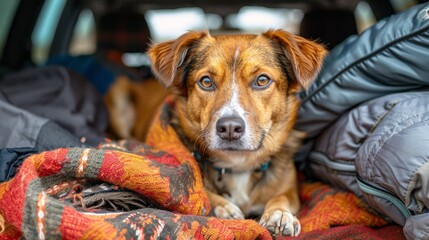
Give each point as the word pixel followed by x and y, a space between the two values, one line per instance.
pixel 42 201
pixel 129 190
pixel 329 213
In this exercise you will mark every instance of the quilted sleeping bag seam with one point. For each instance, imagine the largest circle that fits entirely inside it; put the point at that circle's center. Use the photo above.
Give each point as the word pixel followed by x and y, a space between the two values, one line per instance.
pixel 377 147
pixel 363 59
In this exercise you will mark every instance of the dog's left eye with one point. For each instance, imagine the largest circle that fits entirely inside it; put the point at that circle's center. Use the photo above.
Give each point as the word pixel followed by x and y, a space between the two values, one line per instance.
pixel 262 82
pixel 206 84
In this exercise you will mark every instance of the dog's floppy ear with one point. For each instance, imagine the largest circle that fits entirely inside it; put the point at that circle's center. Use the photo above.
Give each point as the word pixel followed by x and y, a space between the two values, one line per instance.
pixel 306 56
pixel 167 57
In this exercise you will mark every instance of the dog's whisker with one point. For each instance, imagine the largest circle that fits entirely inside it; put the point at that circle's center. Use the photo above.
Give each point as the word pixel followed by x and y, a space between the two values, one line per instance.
pixel 271 138
pixel 203 145
pixel 201 134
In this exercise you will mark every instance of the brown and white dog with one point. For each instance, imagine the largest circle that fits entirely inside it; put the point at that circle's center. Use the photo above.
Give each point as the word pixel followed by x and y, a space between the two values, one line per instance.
pixel 236 107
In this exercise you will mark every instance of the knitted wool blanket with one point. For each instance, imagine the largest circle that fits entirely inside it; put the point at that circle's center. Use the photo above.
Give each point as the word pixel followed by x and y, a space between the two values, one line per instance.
pixel 130 190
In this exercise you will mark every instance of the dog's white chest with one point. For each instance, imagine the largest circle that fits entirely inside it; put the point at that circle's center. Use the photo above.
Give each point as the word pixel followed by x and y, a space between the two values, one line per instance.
pixel 236 186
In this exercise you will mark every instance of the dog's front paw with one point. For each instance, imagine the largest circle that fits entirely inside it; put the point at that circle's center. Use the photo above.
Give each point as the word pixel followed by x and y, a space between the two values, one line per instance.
pixel 229 211
pixel 280 222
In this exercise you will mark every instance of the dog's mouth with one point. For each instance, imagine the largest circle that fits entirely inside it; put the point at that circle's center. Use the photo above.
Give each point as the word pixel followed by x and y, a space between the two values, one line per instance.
pixel 244 144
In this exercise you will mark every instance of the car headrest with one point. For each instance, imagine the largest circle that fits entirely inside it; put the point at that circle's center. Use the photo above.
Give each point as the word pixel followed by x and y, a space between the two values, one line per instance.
pixel 123 32
pixel 329 27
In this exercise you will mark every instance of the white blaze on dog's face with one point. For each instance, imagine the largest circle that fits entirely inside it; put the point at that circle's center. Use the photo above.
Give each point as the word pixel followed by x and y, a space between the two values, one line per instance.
pixel 237 92
pixel 230 127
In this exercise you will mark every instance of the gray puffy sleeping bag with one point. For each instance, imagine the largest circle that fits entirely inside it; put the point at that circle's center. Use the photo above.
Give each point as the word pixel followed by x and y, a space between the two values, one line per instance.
pixel 367 119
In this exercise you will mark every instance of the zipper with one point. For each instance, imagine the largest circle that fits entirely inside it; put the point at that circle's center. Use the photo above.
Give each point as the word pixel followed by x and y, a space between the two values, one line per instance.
pixel 322 159
pixel 381 193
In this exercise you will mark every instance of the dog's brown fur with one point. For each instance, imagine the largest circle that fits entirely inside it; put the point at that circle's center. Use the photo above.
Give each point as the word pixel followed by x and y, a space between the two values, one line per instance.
pixel 132 105
pixel 236 64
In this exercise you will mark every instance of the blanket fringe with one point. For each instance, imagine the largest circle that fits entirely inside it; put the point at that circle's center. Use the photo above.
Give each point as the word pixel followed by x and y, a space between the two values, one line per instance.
pixel 113 201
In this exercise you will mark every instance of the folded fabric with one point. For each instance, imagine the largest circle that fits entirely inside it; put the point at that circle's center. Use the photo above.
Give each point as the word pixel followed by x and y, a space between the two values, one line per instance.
pixel 126 189
pixel 42 210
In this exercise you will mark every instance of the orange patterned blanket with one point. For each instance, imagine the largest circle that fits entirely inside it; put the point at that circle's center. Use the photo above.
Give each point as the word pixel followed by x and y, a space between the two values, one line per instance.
pixel 129 190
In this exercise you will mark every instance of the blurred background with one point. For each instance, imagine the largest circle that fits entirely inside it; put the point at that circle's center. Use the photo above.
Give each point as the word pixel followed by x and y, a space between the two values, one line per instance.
pixel 31 31
pixel 101 45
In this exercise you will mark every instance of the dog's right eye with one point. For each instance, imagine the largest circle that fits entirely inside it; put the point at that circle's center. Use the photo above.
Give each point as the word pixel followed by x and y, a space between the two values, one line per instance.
pixel 206 84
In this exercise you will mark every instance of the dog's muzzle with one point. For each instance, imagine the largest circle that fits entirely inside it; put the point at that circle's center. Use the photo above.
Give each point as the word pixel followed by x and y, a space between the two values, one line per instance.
pixel 230 128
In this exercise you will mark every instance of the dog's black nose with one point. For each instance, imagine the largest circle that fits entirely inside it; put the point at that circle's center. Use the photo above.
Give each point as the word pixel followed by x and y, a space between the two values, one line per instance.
pixel 230 128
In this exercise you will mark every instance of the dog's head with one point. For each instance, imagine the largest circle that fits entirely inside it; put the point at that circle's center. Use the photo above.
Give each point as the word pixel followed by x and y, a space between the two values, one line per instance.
pixel 237 92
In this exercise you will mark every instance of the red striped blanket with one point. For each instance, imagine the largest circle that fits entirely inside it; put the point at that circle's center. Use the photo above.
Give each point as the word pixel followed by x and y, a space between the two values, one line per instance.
pixel 129 190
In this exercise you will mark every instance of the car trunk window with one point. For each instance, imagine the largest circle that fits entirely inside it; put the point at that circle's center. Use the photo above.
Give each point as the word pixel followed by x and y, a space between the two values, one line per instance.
pixel 84 35
pixel 167 24
pixel 45 28
pixel 255 19
pixel 365 17
pixel 401 5
pixel 7 12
